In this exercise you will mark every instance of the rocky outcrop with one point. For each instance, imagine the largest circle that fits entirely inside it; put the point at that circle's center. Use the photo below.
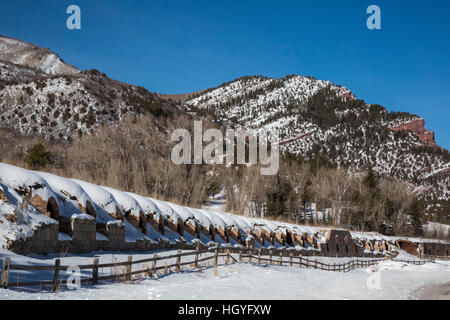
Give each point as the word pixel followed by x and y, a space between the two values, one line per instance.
pixel 418 127
pixel 2 196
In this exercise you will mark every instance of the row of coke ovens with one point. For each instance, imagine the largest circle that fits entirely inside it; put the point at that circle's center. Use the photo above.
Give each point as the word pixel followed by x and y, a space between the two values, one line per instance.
pixel 84 217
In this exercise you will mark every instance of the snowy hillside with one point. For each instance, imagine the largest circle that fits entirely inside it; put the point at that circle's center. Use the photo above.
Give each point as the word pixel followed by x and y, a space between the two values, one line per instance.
pixel 316 116
pixel 40 95
pixel 43 96
pixel 28 55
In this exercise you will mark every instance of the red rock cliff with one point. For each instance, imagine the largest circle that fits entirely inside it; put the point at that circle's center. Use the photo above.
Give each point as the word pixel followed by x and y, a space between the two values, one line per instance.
pixel 418 127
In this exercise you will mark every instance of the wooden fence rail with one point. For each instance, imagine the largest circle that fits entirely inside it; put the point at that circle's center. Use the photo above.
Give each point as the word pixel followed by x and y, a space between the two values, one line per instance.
pixel 123 271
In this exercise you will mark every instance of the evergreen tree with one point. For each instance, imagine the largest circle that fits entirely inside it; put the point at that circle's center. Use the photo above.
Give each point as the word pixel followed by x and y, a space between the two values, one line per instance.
pixel 37 157
pixel 416 215
pixel 278 199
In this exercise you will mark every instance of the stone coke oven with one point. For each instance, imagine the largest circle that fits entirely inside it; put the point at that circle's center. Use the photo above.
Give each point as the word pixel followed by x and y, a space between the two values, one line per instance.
pixel 436 249
pixel 157 223
pixel 139 223
pixel 339 243
pixel 407 246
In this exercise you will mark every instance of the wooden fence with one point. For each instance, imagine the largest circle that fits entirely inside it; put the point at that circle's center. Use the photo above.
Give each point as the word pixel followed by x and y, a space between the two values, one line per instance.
pixel 426 256
pixel 416 262
pixel 281 257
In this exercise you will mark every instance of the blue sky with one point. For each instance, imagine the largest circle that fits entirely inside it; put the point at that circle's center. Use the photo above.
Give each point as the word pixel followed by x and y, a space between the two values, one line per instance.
pixel 182 46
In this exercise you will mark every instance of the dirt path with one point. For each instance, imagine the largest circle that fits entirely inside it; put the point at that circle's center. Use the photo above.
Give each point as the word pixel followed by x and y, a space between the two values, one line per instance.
pixel 435 292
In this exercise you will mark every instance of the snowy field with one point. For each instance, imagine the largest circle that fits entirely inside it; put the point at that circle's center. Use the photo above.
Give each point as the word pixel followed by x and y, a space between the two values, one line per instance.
pixel 387 280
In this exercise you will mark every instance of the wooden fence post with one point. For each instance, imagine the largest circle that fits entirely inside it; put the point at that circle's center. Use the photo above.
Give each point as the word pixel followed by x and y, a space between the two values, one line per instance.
pixel 281 258
pixel 95 272
pixel 270 256
pixel 197 249
pixel 5 273
pixel 166 267
pixel 178 267
pixel 228 253
pixel 155 256
pixel 315 263
pixel 259 256
pixel 250 251
pixel 290 258
pixel 56 275
pixel 240 254
pixel 128 274
pixel 307 263
pixel 216 257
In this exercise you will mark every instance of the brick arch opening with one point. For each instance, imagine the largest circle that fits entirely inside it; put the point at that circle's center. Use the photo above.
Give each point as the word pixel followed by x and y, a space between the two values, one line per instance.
pixel 336 239
pixel 180 227
pixel 142 222
pixel 290 238
pixel 198 230
pixel 212 233
pixel 90 209
pixel 52 208
pixel 119 214
pixel 161 225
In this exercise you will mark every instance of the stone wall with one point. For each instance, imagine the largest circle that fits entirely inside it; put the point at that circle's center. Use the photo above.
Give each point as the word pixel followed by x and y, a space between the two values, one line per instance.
pixel 340 244
pixel 436 249
pixel 43 241
pixel 83 232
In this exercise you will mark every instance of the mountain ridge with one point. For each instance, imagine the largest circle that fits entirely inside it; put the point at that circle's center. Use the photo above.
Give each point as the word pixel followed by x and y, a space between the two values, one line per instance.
pixel 314 116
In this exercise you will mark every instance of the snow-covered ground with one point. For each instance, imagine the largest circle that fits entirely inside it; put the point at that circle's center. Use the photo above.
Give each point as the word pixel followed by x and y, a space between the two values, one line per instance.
pixel 387 280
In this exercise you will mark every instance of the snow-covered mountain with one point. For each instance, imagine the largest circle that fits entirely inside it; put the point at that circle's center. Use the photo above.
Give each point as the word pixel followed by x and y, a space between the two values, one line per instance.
pixel 31 56
pixel 316 116
pixel 42 95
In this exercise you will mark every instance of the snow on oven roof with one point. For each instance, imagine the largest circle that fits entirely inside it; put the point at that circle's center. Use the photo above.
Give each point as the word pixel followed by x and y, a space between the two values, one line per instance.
pixel 202 218
pixel 27 218
pixel 167 211
pixel 100 196
pixel 241 223
pixel 183 212
pixel 266 224
pixel 66 188
pixel 24 180
pixel 301 229
pixel 229 222
pixel 69 190
pixel 217 221
pixel 147 204
pixel 132 234
pixel 127 202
